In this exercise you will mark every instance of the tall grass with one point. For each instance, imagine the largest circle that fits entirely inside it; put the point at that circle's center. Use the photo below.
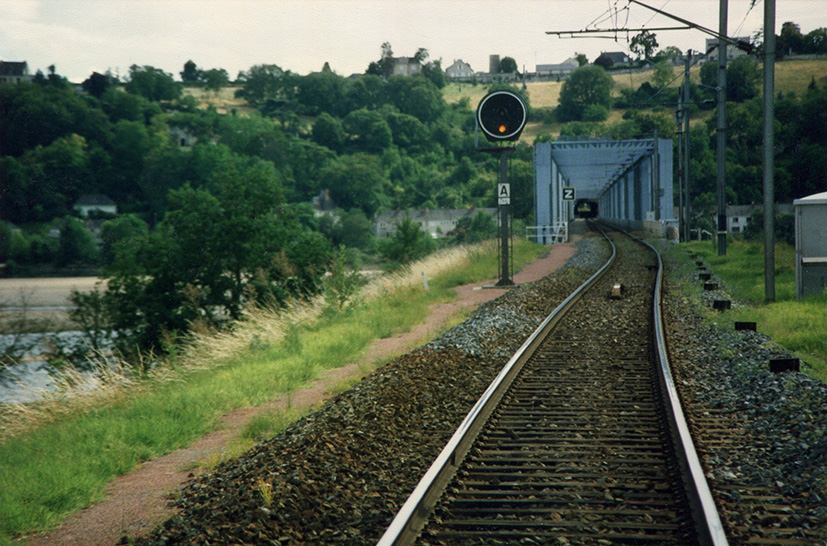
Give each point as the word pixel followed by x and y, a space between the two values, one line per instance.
pixel 57 456
pixel 800 326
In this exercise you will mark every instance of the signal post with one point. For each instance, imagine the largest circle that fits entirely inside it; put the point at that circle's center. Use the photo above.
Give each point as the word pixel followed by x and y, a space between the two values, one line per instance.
pixel 501 115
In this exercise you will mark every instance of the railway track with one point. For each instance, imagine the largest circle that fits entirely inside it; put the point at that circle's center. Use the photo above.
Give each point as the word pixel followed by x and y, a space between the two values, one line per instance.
pixel 579 440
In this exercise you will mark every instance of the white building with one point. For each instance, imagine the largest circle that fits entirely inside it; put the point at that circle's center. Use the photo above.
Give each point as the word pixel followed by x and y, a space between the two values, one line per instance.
pixel 459 70
pixel 436 222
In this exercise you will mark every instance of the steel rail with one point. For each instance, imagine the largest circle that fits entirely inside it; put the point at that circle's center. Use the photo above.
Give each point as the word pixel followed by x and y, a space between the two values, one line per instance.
pixel 408 522
pixel 705 514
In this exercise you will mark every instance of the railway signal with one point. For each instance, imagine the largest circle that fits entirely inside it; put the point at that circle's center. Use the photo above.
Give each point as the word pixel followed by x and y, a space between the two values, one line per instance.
pixel 502 115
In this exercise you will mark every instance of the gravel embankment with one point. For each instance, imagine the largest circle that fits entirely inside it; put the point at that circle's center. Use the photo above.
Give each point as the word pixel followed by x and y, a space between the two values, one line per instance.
pixel 770 436
pixel 339 475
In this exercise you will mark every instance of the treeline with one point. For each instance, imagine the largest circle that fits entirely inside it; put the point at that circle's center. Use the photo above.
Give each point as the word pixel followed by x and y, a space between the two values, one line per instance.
pixel 226 220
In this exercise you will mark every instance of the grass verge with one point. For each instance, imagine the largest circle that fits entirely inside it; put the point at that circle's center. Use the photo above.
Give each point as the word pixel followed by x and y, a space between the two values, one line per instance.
pixel 799 326
pixel 72 446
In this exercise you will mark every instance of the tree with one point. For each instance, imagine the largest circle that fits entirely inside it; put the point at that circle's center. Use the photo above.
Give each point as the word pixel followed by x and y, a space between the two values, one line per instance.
pixel 265 81
pixel 581 58
pixel 384 66
pixel 323 92
pixel 328 131
pixel 152 83
pixel 663 74
pixel 417 96
pixel 816 41
pixel 214 79
pixel 586 85
pixel 644 44
pixel 367 130
pixel 356 180
pixel 508 65
pixel 790 41
pixel 409 243
pixel 96 84
pixel 76 244
pixel 191 75
pixel 743 77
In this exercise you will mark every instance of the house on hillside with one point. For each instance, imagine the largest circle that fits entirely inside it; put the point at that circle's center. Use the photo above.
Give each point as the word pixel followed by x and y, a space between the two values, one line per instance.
pixel 563 69
pixel 96 203
pixel 182 137
pixel 459 71
pixel 611 59
pixel 323 204
pixel 437 222
pixel 732 52
pixel 406 66
pixel 739 216
pixel 14 72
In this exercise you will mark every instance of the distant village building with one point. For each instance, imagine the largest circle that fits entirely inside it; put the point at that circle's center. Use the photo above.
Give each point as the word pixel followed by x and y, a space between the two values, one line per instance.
pixel 563 69
pixel 459 71
pixel 182 137
pixel 406 66
pixel 95 203
pixel 14 72
pixel 610 59
pixel 732 52
pixel 493 64
pixel 323 204
pixel 437 222
pixel 738 217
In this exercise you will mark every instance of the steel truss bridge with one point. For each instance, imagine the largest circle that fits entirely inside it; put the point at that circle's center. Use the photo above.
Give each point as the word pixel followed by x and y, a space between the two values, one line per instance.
pixel 626 182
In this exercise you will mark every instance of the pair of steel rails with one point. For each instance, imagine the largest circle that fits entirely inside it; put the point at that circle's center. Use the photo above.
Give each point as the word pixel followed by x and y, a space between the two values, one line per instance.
pixel 409 521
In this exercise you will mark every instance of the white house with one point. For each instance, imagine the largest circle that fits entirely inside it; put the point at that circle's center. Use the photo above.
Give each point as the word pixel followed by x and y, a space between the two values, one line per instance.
pixel 563 69
pixel 14 72
pixel 732 52
pixel 95 203
pixel 436 222
pixel 459 70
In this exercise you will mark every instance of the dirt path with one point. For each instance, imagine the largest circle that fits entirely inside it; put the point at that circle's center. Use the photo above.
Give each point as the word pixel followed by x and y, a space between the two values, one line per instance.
pixel 137 502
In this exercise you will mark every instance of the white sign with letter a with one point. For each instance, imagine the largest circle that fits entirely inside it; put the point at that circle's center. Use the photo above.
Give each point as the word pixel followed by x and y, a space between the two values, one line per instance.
pixel 504 194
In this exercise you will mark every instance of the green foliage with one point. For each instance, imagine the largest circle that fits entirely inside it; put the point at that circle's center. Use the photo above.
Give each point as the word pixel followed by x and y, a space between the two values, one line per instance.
pixel 356 181
pixel 644 44
pixel 328 131
pixel 266 81
pixel 367 130
pixel 409 243
pixel 472 229
pixel 152 83
pixel 76 245
pixel 586 86
pixel 508 65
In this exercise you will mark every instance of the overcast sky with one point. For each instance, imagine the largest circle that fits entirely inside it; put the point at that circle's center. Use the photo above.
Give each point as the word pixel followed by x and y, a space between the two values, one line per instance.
pixel 83 36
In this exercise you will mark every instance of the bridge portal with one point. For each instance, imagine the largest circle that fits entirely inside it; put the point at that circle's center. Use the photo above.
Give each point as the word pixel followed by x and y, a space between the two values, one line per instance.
pixel 629 183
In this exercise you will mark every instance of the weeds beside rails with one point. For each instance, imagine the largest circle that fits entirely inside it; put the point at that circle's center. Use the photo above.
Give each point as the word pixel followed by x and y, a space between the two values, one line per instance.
pixel 94 429
pixel 112 379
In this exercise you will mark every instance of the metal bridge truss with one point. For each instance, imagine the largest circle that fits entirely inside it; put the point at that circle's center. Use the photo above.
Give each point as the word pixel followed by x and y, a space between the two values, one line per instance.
pixel 630 181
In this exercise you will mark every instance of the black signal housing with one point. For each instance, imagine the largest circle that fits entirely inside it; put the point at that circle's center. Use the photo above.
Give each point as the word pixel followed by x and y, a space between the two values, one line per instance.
pixel 501 115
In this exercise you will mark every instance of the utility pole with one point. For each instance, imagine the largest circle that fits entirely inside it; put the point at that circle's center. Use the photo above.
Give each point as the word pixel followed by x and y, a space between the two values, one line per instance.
pixel 769 145
pixel 679 131
pixel 686 140
pixel 720 192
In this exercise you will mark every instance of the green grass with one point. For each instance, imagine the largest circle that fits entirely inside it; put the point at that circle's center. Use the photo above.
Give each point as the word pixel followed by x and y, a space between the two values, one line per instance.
pixel 61 466
pixel 799 326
